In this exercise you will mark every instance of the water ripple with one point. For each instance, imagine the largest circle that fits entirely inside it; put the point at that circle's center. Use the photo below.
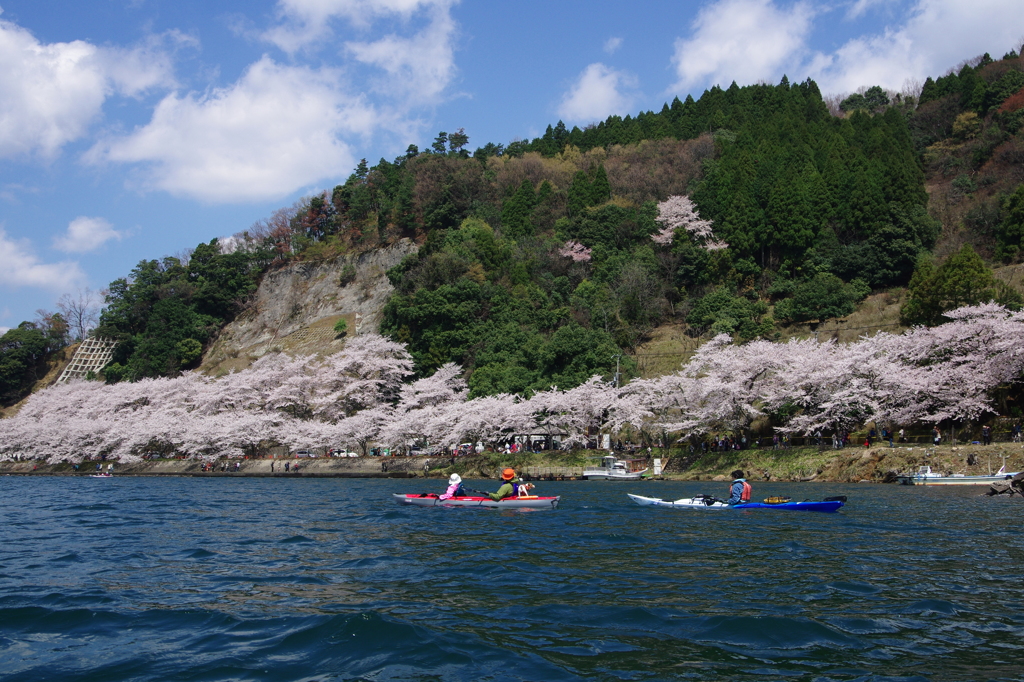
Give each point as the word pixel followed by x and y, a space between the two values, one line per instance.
pixel 261 579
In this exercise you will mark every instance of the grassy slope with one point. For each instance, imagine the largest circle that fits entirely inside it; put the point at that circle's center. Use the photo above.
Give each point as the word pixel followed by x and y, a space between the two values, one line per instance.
pixel 54 367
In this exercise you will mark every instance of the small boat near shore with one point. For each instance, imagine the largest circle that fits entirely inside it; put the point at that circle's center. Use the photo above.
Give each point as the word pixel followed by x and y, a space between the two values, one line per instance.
pixel 925 476
pixel 614 469
pixel 831 504
pixel 433 500
pixel 101 476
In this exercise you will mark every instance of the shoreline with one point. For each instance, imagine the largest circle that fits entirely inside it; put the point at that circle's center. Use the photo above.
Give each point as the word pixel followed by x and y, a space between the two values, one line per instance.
pixel 877 464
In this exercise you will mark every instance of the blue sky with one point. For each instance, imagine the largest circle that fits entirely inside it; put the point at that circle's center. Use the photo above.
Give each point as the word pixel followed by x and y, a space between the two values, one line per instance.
pixel 133 129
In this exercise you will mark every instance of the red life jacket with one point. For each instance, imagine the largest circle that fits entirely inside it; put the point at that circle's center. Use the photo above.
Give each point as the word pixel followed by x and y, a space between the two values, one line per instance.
pixel 747 490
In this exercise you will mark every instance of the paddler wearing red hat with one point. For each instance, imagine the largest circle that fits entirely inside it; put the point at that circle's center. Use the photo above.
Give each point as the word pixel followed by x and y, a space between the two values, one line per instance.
pixel 506 489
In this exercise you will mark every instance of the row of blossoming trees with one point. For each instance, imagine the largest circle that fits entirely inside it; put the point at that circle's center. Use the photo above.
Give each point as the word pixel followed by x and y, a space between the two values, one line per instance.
pixel 364 395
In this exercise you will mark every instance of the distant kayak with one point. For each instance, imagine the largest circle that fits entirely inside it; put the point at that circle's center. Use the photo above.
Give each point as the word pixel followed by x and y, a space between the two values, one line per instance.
pixel 431 500
pixel 831 504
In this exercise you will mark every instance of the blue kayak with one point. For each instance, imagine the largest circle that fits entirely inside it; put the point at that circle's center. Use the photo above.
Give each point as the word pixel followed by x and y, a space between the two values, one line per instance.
pixel 809 505
pixel 700 502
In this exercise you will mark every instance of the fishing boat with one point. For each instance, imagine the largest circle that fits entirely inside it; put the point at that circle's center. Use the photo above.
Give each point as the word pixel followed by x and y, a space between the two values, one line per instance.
pixel 829 504
pixel 433 500
pixel 925 476
pixel 614 469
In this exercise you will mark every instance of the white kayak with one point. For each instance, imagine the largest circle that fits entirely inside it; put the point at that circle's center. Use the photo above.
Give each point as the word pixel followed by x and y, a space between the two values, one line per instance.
pixel 684 503
pixel 832 504
pixel 431 500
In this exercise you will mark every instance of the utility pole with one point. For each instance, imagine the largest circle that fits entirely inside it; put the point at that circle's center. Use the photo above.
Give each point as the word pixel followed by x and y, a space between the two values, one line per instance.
pixel 617 369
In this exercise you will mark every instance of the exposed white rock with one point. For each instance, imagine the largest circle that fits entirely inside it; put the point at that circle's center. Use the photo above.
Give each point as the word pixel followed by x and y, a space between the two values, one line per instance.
pixel 296 307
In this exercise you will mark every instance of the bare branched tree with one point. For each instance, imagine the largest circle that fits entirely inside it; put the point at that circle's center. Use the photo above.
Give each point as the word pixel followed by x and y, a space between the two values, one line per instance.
pixel 81 311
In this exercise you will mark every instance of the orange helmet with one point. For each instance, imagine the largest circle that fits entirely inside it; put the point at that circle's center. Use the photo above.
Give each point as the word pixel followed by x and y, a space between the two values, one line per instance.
pixel 508 474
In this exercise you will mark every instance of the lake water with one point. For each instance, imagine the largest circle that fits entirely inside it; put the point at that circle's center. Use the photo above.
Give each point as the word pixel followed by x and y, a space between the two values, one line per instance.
pixel 329 579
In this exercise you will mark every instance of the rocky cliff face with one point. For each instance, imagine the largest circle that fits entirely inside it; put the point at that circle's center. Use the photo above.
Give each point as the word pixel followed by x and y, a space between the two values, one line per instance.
pixel 296 308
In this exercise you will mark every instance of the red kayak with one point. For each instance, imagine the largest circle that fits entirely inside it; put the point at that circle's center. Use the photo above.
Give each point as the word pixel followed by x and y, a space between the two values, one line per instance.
pixel 431 500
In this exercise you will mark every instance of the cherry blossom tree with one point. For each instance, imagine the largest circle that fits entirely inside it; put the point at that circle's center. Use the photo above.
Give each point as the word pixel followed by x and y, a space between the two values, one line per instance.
pixel 679 211
pixel 575 411
pixel 576 251
pixel 362 395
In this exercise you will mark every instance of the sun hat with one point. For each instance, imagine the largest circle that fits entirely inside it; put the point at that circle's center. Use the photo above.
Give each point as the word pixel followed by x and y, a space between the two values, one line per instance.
pixel 454 479
pixel 508 474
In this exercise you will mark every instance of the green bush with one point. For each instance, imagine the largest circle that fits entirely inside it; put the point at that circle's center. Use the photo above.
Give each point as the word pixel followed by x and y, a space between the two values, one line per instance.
pixel 722 312
pixel 963 279
pixel 821 298
pixel 188 350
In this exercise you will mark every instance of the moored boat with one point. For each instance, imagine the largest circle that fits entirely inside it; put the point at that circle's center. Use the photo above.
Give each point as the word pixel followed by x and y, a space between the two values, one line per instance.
pixel 831 504
pixel 433 500
pixel 614 469
pixel 925 476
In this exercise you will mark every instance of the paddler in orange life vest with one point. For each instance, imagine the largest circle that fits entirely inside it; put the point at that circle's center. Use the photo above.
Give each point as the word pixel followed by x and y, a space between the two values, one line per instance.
pixel 740 491
pixel 507 488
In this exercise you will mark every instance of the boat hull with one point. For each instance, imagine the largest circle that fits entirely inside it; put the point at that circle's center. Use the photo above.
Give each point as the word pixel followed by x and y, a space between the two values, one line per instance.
pixel 508 503
pixel 697 503
pixel 916 479
pixel 604 475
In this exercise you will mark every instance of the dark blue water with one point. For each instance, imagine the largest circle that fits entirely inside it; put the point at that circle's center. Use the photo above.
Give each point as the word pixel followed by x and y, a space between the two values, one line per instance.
pixel 260 579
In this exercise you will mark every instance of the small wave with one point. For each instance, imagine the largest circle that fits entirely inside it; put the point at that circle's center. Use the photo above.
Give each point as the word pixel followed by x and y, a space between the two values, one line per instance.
pixel 932 606
pixel 854 588
pixel 200 553
pixel 773 633
pixel 865 626
pixel 67 558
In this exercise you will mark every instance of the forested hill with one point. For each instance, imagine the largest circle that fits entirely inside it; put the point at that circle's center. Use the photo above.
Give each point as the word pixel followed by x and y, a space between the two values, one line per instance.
pixel 799 196
pixel 545 262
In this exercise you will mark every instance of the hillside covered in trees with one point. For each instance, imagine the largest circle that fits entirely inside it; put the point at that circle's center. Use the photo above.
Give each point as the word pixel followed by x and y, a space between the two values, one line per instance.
pixel 544 262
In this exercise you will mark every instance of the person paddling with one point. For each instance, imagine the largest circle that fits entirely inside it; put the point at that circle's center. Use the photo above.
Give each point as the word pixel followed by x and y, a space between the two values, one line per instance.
pixel 741 490
pixel 506 489
pixel 454 488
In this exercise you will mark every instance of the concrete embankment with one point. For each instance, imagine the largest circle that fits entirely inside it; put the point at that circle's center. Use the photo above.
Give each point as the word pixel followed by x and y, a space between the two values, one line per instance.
pixel 361 467
pixel 848 465
pixel 851 464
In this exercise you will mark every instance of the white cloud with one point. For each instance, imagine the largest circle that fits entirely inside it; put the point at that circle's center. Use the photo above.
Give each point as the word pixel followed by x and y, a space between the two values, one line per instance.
pixel 304 22
pixel 741 40
pixel 612 44
pixel 271 133
pixel 935 36
pixel 282 128
pixel 419 68
pixel 51 93
pixel 20 267
pixel 597 94
pixel 416 58
pixel 85 235
pixel 860 7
